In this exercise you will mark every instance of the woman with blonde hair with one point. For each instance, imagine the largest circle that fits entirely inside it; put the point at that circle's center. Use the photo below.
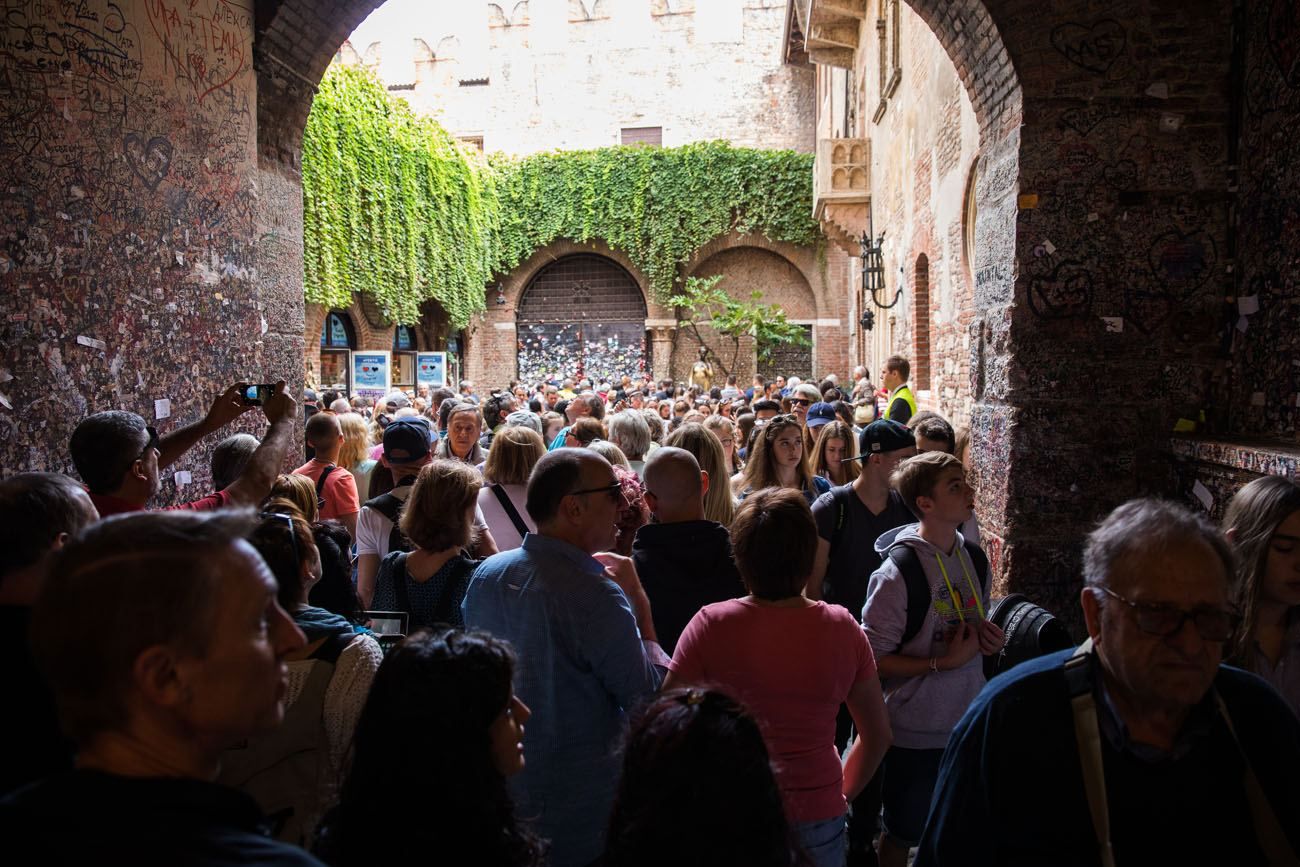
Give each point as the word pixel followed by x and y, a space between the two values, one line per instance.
pixel 510 461
pixel 778 461
pixel 354 455
pixel 719 505
pixel 1263 525
pixel 723 428
pixel 299 490
pixel 833 454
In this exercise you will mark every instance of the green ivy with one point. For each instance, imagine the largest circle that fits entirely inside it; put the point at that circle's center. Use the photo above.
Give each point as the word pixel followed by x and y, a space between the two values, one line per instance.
pixel 392 205
pixel 395 207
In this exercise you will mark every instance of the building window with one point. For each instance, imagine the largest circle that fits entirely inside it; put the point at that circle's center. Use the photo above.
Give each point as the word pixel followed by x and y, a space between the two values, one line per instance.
pixel 888 39
pixel 475 141
pixel 921 324
pixel 336 331
pixel 337 339
pixel 651 136
pixel 404 347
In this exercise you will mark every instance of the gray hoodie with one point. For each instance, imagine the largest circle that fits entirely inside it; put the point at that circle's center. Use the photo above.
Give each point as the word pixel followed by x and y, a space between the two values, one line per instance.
pixel 923 710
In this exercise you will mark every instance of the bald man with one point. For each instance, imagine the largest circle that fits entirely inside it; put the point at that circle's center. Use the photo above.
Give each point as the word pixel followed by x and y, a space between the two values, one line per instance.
pixel 684 561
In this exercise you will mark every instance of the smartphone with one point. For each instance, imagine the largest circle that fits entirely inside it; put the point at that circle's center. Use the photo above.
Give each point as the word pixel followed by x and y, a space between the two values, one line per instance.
pixel 258 394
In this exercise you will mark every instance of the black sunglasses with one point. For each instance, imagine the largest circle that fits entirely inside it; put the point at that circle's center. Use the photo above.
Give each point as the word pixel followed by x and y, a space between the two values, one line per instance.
pixel 293 537
pixel 151 445
pixel 800 401
pixel 615 491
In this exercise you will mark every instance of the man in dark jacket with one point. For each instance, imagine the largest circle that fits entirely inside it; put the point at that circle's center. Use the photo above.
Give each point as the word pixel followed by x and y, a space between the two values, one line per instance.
pixel 684 561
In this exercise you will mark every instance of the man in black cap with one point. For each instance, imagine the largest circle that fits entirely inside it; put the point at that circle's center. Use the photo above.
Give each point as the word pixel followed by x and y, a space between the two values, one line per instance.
pixel 849 520
pixel 407 447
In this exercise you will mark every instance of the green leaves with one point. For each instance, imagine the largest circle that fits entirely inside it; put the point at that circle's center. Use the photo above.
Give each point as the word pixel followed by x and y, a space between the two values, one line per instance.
pixel 394 206
pixel 701 302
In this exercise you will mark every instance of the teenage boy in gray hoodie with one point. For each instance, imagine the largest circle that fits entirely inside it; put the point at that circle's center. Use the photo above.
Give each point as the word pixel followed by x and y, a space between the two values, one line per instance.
pixel 928 677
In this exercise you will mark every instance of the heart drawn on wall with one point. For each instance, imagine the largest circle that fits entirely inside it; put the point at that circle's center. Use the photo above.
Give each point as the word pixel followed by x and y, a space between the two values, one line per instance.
pixel 149 160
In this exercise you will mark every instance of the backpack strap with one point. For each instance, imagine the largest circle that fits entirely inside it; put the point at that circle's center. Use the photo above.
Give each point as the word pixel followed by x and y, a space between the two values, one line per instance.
pixel 841 497
pixel 511 512
pixel 980 561
pixel 1087 734
pixel 320 484
pixel 399 584
pixel 1268 831
pixel 390 506
pixel 918 589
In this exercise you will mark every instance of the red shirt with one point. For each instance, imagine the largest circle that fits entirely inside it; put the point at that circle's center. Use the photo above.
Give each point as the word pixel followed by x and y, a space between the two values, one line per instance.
pixel 340 492
pixel 110 505
pixel 792 667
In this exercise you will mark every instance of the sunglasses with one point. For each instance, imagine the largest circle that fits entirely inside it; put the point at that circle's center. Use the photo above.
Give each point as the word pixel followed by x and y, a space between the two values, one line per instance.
pixel 800 401
pixel 151 445
pixel 1212 624
pixel 614 490
pixel 293 537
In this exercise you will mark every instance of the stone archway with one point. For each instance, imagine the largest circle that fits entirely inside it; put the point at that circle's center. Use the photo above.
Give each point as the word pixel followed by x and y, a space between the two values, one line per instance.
pixel 581 316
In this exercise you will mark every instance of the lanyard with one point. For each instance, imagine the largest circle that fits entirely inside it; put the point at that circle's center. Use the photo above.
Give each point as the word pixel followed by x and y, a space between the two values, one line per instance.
pixel 952 594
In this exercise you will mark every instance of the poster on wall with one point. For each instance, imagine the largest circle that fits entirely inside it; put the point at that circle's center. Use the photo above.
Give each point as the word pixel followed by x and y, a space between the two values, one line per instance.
pixel 371 373
pixel 431 369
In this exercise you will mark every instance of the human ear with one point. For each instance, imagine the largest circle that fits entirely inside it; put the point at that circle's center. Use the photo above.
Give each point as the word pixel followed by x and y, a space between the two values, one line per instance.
pixel 1231 535
pixel 1091 611
pixel 158 678
pixel 704 482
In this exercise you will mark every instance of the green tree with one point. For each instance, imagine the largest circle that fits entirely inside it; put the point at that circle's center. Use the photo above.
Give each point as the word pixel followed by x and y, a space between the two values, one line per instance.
pixel 702 303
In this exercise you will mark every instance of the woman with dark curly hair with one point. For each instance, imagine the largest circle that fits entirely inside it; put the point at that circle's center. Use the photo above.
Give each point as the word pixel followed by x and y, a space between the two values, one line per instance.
pixel 697 789
pixel 441 732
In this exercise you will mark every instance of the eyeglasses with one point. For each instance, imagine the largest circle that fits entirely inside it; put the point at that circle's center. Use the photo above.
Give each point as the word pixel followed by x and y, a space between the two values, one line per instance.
pixel 293 536
pixel 799 401
pixel 615 491
pixel 1212 624
pixel 151 445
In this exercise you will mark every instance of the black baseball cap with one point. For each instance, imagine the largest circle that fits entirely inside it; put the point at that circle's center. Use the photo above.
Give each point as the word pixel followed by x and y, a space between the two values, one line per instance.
pixel 883 436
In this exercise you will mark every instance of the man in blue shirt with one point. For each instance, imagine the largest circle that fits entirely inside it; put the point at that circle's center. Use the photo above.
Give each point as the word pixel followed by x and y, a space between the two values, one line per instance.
pixel 582 627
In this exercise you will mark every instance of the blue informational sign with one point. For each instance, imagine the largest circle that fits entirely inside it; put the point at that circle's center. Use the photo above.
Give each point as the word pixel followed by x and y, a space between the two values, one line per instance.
pixel 371 373
pixel 431 369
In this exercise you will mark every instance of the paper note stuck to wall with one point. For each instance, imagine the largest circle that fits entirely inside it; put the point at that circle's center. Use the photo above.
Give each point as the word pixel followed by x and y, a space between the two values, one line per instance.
pixel 1203 494
pixel 1248 305
pixel 162 408
pixel 182 478
pixel 92 342
pixel 1114 324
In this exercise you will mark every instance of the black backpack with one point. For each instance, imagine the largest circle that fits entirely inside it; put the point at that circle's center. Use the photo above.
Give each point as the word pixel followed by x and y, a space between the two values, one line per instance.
pixel 918 586
pixel 390 506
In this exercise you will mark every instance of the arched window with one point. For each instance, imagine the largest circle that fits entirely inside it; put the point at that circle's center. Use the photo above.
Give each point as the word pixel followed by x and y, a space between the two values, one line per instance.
pixel 336 332
pixel 404 348
pixel 921 325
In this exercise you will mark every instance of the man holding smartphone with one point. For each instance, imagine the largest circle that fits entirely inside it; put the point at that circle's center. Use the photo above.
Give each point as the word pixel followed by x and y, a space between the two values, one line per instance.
pixel 120 457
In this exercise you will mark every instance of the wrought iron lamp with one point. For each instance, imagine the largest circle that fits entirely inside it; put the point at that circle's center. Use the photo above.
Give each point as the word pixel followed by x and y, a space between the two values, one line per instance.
pixel 873 271
pixel 868 320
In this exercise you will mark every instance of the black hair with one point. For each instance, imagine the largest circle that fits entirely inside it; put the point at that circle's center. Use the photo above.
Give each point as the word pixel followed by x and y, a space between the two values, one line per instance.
pixel 329 397
pixel 422 759
pixel 104 446
pixel 35 509
pixel 695 762
pixel 494 409
pixel 285 545
pixel 335 590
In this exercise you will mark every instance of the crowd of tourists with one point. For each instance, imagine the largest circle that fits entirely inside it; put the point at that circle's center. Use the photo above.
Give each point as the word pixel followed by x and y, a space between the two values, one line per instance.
pixel 623 623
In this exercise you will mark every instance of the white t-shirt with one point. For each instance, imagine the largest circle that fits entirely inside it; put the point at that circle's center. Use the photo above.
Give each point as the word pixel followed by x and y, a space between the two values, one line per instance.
pixel 373 528
pixel 503 529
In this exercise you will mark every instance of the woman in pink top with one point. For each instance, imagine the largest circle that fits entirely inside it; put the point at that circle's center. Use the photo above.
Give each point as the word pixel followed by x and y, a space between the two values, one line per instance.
pixel 792 662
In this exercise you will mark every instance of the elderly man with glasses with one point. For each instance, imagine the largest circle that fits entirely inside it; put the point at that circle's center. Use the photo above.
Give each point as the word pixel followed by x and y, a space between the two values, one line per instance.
pixel 1139 747
pixel 581 624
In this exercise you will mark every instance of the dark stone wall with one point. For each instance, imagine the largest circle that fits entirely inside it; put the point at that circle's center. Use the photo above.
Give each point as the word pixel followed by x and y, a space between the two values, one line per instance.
pixel 133 222
pixel 1265 393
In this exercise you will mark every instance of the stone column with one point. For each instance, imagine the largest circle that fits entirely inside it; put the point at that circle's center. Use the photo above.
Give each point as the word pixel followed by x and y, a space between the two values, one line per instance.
pixel 661 348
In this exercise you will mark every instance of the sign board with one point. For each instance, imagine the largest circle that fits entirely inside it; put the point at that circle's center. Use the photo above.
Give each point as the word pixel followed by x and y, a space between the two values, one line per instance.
pixel 371 373
pixel 431 369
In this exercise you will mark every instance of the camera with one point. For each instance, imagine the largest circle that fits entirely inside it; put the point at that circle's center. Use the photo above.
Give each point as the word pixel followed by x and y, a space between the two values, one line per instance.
pixel 258 394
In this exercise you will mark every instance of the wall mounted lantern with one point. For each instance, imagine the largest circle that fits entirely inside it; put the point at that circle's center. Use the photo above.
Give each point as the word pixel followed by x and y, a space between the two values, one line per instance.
pixel 868 320
pixel 873 270
pixel 501 295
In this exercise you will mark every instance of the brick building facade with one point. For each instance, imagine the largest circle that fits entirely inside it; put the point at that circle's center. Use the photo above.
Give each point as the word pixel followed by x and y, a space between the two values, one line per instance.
pixel 538 77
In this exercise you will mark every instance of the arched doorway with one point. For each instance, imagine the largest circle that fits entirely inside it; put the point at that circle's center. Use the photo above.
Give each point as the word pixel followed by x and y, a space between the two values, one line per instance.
pixel 582 315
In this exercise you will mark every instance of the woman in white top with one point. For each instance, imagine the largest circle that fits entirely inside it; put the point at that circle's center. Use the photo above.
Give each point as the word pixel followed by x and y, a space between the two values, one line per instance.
pixel 510 461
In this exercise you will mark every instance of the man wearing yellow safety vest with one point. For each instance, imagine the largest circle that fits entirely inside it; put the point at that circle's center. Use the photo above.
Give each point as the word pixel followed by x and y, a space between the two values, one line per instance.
pixel 901 404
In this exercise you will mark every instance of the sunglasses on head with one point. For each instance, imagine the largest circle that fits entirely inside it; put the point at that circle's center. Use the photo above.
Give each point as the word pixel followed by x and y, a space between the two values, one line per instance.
pixel 277 517
pixel 151 445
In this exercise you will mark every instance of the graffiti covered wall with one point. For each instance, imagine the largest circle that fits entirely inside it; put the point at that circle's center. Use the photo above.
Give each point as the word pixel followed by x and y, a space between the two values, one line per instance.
pixel 128 272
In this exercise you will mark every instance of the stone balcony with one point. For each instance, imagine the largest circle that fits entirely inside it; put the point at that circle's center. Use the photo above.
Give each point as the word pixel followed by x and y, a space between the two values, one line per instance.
pixel 842 189
pixel 831 29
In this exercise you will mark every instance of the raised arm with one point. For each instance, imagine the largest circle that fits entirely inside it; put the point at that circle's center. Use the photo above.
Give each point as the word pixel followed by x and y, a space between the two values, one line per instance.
pixel 224 410
pixel 254 483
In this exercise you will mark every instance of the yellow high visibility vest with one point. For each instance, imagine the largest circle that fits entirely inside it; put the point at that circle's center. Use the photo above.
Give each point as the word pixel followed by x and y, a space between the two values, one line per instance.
pixel 906 394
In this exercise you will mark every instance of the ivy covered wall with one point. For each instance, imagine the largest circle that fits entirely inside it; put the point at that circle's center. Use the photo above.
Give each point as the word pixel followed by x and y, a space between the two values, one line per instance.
pixel 393 206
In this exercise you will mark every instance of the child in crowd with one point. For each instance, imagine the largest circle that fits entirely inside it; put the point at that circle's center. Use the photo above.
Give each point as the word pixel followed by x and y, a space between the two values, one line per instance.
pixel 1263 524
pixel 929 660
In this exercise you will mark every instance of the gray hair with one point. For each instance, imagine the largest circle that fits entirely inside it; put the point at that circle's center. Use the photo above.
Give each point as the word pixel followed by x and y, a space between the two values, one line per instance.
pixel 630 432
pixel 525 418
pixel 230 457
pixel 610 452
pixel 1145 525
